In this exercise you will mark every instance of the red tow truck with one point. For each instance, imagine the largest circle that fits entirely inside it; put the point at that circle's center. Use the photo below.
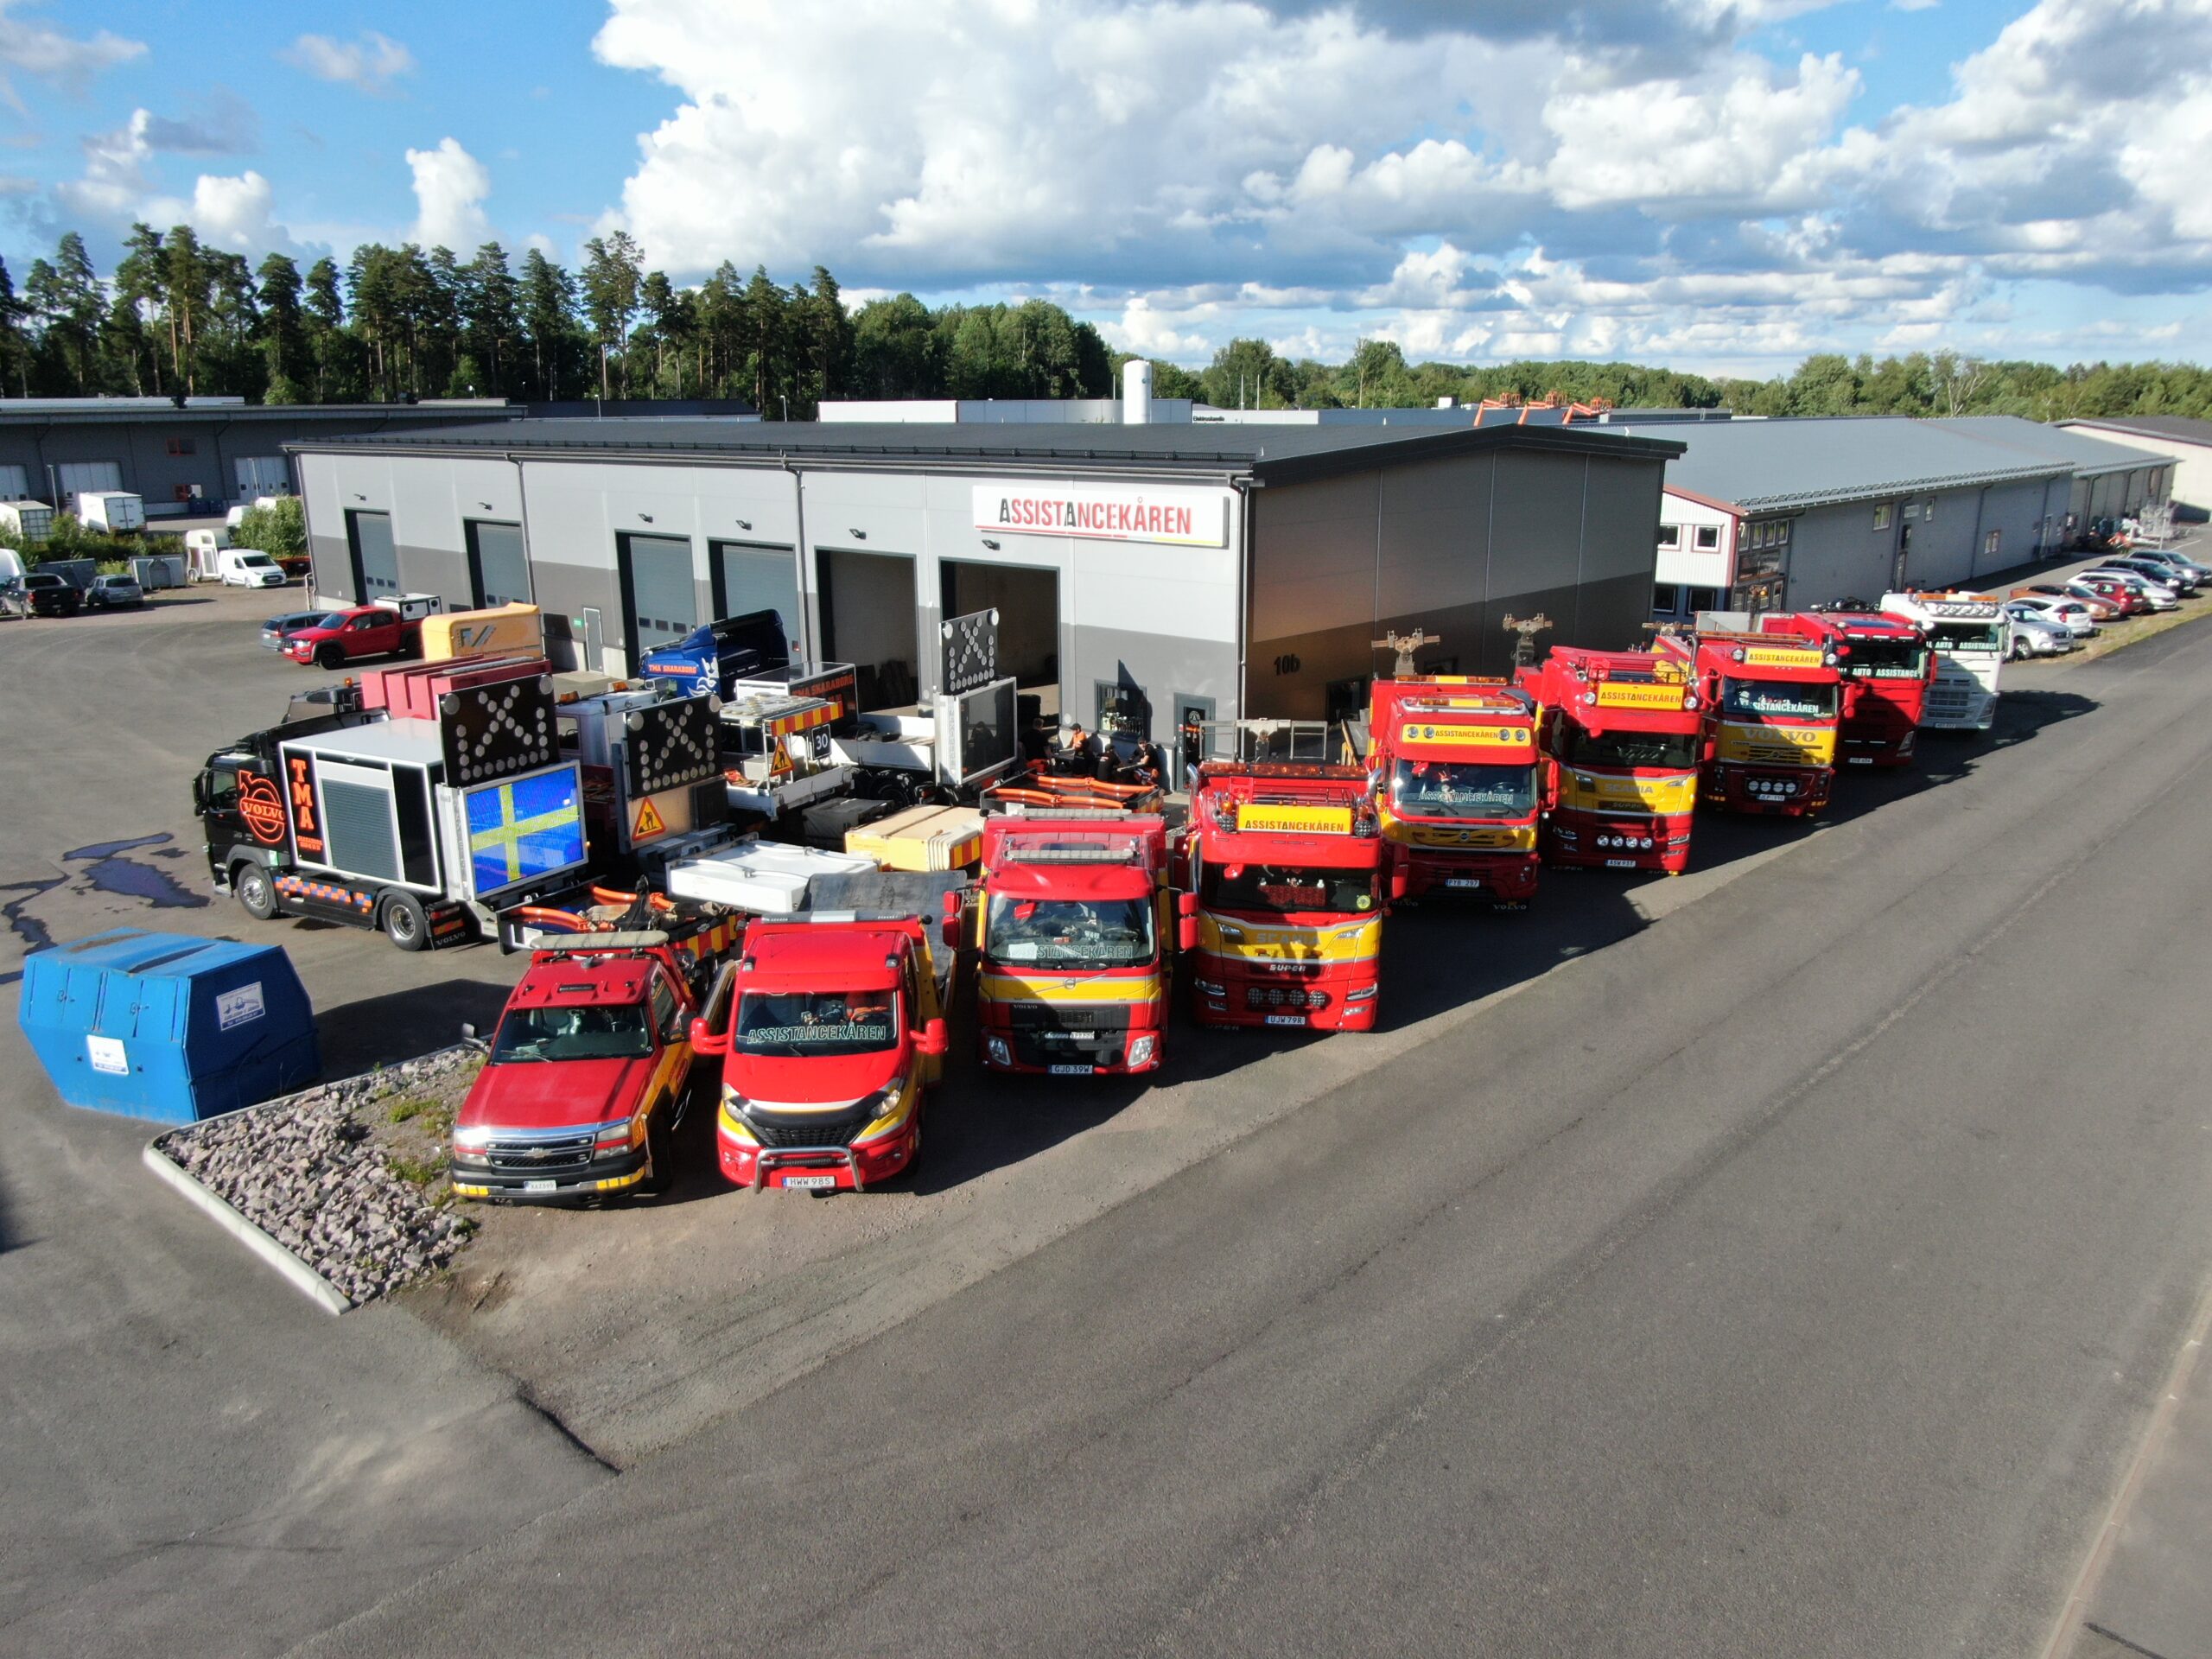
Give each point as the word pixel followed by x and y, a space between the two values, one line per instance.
pixel 1459 787
pixel 1288 864
pixel 587 1073
pixel 1076 931
pixel 1622 732
pixel 831 1030
pixel 1887 667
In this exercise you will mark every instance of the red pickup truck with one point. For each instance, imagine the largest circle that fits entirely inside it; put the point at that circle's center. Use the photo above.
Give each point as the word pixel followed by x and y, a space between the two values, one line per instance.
pixel 341 637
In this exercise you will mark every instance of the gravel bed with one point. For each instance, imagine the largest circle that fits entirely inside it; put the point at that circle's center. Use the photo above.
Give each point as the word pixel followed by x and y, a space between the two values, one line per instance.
pixel 339 1178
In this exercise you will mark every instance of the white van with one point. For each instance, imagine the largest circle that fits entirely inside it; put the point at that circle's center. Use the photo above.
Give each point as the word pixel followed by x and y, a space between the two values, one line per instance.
pixel 247 567
pixel 201 550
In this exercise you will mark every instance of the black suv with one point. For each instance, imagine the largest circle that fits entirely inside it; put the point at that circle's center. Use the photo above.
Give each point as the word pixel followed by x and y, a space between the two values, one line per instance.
pixel 51 596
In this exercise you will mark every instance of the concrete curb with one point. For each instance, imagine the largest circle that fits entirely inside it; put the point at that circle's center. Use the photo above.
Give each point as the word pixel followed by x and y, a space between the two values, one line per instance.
pixel 302 1277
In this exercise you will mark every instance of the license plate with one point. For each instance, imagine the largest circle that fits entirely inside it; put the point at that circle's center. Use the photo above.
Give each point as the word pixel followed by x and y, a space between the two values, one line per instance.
pixel 809 1183
pixel 541 1186
pixel 1070 1070
pixel 1620 863
pixel 1286 1019
pixel 1859 759
pixel 1462 881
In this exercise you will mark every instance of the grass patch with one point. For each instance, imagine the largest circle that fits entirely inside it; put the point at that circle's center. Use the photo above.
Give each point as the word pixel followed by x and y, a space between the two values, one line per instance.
pixel 409 1109
pixel 417 1172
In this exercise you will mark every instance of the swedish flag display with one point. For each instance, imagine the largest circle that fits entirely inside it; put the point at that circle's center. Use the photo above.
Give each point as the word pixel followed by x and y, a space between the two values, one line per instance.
pixel 524 827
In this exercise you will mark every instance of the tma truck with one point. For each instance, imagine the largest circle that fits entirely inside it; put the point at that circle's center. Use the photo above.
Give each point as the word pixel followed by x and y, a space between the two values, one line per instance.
pixel 1969 634
pixel 1621 730
pixel 1458 786
pixel 428 829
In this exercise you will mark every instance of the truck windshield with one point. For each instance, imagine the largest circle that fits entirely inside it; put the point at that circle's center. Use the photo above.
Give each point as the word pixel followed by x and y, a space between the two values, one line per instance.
pixel 1619 748
pixel 1777 699
pixel 1967 637
pixel 794 1025
pixel 1068 932
pixel 573 1033
pixel 1283 887
pixel 1445 789
pixel 1887 659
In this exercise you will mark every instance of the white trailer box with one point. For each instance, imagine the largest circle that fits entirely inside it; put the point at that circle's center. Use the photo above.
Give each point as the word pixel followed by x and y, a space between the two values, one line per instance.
pixel 201 550
pixel 25 524
pixel 112 511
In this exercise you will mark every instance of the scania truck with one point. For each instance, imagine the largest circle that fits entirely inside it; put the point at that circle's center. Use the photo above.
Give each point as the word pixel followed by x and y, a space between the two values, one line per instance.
pixel 1458 786
pixel 1292 880
pixel 1621 733
pixel 1887 671
pixel 1970 635
pixel 1771 707
pixel 1076 930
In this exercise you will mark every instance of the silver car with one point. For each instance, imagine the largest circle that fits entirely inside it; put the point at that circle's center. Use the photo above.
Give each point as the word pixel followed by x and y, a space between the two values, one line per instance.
pixel 114 594
pixel 2035 635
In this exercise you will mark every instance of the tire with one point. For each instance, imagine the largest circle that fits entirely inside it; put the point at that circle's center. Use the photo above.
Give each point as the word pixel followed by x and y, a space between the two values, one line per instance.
pixel 660 1153
pixel 256 893
pixel 404 923
pixel 328 655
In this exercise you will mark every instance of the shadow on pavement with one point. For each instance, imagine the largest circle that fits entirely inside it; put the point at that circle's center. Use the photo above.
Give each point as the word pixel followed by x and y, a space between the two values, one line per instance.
pixel 380 1030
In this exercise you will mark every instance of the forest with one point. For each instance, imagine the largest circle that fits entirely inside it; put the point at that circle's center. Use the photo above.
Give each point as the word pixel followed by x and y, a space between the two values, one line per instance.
pixel 175 315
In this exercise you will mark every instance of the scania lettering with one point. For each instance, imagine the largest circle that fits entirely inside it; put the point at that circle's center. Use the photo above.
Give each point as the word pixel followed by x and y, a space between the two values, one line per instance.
pixel 1076 931
pixel 1887 671
pixel 1458 785
pixel 1771 707
pixel 1288 866
pixel 1620 731
pixel 1970 636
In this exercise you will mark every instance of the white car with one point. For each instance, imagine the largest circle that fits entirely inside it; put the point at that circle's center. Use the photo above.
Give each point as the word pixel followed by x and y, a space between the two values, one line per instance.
pixel 2070 614
pixel 246 566
pixel 2161 598
pixel 2037 636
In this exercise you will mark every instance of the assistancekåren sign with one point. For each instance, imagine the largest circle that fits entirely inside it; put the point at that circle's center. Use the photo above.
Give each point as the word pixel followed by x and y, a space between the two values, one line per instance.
pixel 1185 517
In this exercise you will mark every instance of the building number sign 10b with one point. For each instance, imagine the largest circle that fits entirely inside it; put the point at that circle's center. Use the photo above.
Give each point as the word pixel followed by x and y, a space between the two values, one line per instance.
pixel 1287 663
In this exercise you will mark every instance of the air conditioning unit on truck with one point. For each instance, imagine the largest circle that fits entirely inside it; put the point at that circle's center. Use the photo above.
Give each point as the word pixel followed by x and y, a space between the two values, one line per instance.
pixel 1457 785
pixel 588 1074
pixel 429 830
pixel 1622 732
pixel 830 1031
pixel 1970 635
pixel 1771 707
pixel 1888 671
pixel 1076 930
pixel 1292 880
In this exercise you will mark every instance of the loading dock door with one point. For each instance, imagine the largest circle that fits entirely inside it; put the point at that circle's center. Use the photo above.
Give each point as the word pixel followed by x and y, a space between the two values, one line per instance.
pixel 376 561
pixel 1028 604
pixel 660 600
pixel 868 615
pixel 498 570
pixel 748 577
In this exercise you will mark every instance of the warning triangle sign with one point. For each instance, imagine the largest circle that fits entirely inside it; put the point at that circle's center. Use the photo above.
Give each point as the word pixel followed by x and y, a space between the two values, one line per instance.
pixel 648 824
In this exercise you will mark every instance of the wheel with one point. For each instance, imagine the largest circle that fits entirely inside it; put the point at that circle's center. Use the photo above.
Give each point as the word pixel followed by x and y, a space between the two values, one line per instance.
pixel 660 1154
pixel 404 924
pixel 328 655
pixel 257 893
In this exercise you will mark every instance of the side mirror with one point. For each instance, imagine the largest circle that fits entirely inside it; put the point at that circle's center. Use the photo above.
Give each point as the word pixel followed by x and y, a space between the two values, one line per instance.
pixel 932 1041
pixel 706 1041
pixel 1186 931
pixel 468 1035
pixel 200 794
pixel 1186 904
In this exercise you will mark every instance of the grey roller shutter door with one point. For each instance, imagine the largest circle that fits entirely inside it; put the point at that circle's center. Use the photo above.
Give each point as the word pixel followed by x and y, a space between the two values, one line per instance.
pixel 379 558
pixel 757 579
pixel 502 567
pixel 664 598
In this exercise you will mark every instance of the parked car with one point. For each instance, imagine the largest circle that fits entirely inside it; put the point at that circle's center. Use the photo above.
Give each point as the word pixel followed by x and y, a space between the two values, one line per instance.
pixel 2158 595
pixel 360 631
pixel 2100 609
pixel 2035 635
pixel 2124 600
pixel 2072 614
pixel 274 629
pixel 49 596
pixel 2151 567
pixel 115 594
pixel 247 566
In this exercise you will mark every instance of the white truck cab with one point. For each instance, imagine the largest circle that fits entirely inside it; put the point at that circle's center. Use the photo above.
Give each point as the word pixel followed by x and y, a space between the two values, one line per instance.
pixel 1972 636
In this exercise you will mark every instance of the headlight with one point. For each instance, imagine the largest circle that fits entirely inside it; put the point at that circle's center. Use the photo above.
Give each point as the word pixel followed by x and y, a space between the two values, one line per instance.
pixel 1001 1052
pixel 1140 1050
pixel 887 1107
pixel 470 1137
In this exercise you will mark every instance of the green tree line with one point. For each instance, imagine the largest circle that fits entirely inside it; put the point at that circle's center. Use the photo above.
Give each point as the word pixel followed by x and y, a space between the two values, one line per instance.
pixel 175 315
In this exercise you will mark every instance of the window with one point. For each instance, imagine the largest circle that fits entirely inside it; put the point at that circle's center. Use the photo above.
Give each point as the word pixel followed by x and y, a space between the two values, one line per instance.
pixel 1882 517
pixel 1990 543
pixel 1664 598
pixel 1124 708
pixel 1703 599
pixel 183 446
pixel 1708 538
pixel 668 1016
pixel 1929 510
pixel 1670 535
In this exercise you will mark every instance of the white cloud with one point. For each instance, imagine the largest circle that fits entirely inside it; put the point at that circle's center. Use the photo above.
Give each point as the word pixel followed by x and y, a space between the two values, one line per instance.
pixel 1914 5
pixel 235 213
pixel 370 63
pixel 450 186
pixel 66 59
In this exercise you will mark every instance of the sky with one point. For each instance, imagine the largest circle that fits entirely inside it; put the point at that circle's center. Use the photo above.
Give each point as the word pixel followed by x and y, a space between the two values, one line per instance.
pixel 1717 186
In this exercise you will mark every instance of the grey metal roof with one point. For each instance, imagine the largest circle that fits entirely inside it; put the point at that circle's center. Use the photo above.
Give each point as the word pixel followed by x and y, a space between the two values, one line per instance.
pixel 2088 457
pixel 1783 465
pixel 102 411
pixel 2180 427
pixel 1271 453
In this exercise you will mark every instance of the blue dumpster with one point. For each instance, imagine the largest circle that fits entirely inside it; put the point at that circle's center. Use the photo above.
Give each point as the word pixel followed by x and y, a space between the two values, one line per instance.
pixel 168 1026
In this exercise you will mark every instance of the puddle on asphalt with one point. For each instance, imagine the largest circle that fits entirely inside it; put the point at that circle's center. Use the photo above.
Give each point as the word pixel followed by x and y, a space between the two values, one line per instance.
pixel 105 869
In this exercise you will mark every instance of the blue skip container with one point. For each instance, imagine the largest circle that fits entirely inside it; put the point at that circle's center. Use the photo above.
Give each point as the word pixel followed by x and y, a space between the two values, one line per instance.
pixel 168 1026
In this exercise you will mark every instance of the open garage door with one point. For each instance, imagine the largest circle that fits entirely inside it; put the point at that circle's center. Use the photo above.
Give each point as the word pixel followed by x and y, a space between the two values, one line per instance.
pixel 1028 603
pixel 867 619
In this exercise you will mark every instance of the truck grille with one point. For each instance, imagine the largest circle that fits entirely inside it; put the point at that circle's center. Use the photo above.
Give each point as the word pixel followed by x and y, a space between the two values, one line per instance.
pixel 1279 996
pixel 815 1131
pixel 1033 1047
pixel 531 1157
pixel 1060 1016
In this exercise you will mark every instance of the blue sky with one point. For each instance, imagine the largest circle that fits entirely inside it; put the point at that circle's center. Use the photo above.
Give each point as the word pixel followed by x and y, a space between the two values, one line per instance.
pixel 1719 185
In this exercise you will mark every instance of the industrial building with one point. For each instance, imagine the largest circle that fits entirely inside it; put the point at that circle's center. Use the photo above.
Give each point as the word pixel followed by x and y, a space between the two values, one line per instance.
pixel 2186 442
pixel 1157 572
pixel 1765 515
pixel 190 457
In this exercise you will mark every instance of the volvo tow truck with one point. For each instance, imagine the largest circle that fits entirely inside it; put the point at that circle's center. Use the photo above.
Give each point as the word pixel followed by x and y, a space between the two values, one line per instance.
pixel 1888 670
pixel 1458 786
pixel 1287 863
pixel 1074 930
pixel 1970 636
pixel 1771 707
pixel 1621 731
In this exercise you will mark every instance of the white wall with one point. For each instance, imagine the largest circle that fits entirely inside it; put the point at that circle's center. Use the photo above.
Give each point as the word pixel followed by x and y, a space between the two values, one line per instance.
pixel 1685 564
